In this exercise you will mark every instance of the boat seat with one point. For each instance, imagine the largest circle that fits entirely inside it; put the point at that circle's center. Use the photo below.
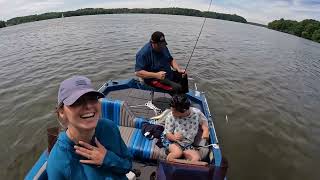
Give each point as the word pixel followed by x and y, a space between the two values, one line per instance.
pixel 139 146
pixel 119 113
pixel 130 128
pixel 143 148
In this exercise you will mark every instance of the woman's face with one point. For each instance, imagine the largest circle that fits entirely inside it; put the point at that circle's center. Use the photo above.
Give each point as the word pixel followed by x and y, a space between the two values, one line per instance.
pixel 82 114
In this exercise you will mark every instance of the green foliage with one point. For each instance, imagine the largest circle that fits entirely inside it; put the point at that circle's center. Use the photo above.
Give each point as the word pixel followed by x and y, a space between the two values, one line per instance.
pixel 223 16
pixel 308 28
pixel 31 18
pixel 95 11
pixel 316 36
pixel 2 24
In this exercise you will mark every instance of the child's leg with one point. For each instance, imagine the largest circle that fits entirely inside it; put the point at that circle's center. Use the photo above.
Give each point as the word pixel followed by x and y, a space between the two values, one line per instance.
pixel 175 152
pixel 191 155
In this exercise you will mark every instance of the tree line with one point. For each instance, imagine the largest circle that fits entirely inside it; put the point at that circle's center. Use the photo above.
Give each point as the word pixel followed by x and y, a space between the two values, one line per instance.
pixel 308 28
pixel 2 24
pixel 95 11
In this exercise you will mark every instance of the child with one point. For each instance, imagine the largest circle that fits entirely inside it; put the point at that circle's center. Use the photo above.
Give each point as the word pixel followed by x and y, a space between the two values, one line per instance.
pixel 181 127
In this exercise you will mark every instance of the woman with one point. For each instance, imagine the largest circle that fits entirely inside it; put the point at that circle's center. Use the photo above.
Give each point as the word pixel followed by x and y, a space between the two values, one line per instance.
pixel 90 148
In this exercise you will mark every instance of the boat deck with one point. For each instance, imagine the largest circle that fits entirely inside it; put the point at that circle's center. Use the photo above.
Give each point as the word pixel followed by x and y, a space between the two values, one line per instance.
pixel 136 100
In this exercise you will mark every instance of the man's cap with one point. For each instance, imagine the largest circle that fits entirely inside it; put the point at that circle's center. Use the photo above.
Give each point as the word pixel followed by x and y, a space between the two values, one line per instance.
pixel 158 37
pixel 73 88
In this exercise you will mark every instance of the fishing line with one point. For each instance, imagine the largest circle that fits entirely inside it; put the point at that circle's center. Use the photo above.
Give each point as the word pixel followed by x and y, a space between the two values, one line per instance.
pixel 204 21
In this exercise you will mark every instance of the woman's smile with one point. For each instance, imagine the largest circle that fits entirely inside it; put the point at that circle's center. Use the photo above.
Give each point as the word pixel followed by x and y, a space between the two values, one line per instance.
pixel 87 115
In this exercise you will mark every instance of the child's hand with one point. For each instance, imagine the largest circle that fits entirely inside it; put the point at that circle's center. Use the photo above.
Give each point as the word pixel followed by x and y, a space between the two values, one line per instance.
pixel 178 136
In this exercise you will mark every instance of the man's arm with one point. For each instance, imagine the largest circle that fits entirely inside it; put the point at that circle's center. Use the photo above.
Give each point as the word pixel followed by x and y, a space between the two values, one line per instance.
pixel 141 68
pixel 146 74
pixel 175 66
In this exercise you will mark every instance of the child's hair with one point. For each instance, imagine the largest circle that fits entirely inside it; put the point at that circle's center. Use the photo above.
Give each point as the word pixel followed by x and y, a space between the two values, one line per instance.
pixel 180 102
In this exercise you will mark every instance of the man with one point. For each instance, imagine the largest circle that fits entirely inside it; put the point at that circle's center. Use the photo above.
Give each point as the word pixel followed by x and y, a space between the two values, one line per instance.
pixel 154 64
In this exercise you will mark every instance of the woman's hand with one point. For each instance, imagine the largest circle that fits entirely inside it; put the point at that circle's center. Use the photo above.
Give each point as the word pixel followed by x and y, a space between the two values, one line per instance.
pixel 95 155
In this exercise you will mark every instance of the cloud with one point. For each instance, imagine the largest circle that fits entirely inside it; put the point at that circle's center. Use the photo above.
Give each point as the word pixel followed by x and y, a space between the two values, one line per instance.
pixel 311 3
pixel 10 9
pixel 40 5
pixel 262 11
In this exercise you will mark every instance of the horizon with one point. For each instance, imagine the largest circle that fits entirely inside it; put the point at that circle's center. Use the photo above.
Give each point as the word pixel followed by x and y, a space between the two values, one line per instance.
pixel 260 11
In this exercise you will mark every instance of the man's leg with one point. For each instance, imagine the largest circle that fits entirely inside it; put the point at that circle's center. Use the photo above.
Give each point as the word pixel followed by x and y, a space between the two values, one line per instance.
pixel 179 84
pixel 158 84
pixel 184 83
pixel 176 87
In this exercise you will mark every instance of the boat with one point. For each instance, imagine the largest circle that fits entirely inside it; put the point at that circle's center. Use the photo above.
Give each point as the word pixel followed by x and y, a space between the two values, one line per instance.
pixel 130 103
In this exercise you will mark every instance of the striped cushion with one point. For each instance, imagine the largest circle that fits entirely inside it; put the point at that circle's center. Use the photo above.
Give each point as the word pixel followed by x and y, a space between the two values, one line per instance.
pixel 110 109
pixel 119 113
pixel 127 116
pixel 139 146
pixel 130 129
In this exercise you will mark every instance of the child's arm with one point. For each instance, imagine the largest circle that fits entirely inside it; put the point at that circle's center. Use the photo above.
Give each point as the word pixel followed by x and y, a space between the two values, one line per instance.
pixel 204 125
pixel 205 129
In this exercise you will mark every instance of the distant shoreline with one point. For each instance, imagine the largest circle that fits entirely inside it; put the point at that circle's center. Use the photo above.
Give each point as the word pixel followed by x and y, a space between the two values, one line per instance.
pixel 308 28
pixel 257 24
pixel 97 11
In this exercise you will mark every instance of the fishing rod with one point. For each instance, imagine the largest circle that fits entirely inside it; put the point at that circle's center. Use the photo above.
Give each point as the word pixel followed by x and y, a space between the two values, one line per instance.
pixel 204 21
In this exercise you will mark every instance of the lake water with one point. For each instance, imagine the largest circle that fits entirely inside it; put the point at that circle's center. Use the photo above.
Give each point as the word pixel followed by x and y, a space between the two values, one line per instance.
pixel 266 82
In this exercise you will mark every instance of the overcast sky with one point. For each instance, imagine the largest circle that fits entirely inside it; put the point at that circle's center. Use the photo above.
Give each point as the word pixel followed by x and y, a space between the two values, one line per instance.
pixel 261 11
